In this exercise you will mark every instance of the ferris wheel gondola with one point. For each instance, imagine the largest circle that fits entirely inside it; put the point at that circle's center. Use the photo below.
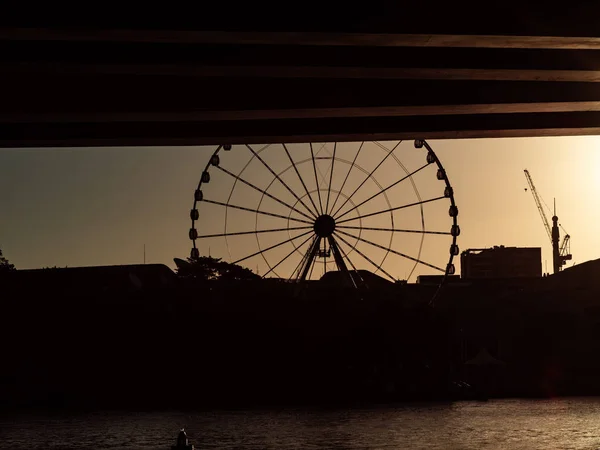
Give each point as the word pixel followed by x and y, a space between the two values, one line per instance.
pixel 299 211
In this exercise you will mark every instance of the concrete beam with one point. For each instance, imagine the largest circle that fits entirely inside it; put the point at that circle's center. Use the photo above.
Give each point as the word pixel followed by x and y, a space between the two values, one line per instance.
pixel 104 57
pixel 390 73
pixel 315 113
pixel 301 38
pixel 104 94
pixel 510 17
pixel 302 130
pixel 367 75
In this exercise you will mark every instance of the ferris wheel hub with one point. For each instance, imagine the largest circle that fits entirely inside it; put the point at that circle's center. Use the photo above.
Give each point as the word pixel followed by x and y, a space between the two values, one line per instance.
pixel 324 226
pixel 312 216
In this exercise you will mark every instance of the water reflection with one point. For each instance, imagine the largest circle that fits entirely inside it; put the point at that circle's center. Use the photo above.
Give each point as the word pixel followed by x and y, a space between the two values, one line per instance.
pixel 515 424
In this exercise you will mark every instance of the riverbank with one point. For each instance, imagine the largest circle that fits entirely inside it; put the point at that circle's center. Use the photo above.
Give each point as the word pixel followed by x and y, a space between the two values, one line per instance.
pixel 248 344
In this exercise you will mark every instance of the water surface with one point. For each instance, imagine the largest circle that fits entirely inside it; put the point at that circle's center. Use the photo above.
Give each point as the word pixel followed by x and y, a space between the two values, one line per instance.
pixel 499 424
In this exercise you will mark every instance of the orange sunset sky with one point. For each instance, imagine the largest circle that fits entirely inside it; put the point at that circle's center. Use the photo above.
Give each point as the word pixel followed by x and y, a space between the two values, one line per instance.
pixel 100 206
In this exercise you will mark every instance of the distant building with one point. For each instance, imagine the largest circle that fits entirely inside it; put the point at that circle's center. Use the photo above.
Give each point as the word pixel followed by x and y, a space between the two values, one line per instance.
pixel 120 278
pixel 501 262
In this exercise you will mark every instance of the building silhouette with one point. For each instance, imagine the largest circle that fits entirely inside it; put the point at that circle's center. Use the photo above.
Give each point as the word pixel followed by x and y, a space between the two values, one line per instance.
pixel 501 262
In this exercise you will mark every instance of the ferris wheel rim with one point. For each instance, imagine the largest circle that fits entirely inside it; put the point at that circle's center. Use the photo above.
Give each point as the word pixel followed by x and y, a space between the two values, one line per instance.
pixel 454 233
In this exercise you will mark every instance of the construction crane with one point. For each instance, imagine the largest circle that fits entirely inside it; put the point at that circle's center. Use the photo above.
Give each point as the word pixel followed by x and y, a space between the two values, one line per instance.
pixel 560 253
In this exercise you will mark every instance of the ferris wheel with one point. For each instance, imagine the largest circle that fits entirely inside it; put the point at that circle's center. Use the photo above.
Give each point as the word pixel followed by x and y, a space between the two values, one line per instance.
pixel 302 211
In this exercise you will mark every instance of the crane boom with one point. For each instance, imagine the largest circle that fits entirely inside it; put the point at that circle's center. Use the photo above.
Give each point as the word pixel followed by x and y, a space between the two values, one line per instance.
pixel 564 248
pixel 560 253
pixel 538 202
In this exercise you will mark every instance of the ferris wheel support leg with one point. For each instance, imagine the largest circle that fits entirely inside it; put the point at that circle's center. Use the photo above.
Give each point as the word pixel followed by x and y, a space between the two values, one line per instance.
pixel 339 260
pixel 312 253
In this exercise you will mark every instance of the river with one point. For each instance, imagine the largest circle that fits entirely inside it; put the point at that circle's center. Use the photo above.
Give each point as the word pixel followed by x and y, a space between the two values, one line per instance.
pixel 571 423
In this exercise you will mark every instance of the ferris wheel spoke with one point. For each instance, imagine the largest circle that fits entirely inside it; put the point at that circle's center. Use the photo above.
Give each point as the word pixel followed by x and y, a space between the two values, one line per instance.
pixel 296 273
pixel 343 253
pixel 347 175
pixel 316 179
pixel 296 236
pixel 321 176
pixel 367 178
pixel 365 256
pixel 312 267
pixel 256 155
pixel 272 247
pixel 383 190
pixel 310 260
pixel 394 230
pixel 247 183
pixel 257 211
pixel 272 269
pixel 391 250
pixel 241 233
pixel 391 209
pixel 345 256
pixel 293 164
pixel 339 259
pixel 306 260
pixel 330 178
pixel 383 147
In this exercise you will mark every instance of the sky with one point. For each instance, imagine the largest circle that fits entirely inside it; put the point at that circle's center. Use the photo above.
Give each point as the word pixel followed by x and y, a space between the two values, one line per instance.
pixel 101 206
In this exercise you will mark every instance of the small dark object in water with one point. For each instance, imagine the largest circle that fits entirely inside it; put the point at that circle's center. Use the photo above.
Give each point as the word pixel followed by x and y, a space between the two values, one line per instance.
pixel 182 442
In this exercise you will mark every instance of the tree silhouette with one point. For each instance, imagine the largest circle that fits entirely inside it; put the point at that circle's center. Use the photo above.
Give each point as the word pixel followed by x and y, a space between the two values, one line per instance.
pixel 209 268
pixel 5 266
pixel 228 271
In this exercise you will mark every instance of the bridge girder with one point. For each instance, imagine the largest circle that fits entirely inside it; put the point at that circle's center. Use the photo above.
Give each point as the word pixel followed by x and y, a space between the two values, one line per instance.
pixel 357 75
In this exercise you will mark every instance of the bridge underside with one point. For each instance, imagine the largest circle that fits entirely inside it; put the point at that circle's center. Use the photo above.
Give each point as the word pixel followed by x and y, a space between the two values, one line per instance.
pixel 313 75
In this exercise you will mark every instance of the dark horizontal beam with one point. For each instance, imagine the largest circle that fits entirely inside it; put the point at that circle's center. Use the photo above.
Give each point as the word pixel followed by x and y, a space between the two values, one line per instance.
pixel 388 73
pixel 585 76
pixel 178 141
pixel 114 56
pixel 267 131
pixel 316 113
pixel 130 94
pixel 577 18
pixel 300 38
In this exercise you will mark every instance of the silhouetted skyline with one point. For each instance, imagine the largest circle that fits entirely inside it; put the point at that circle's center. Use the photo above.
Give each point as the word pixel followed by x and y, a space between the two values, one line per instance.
pixel 99 206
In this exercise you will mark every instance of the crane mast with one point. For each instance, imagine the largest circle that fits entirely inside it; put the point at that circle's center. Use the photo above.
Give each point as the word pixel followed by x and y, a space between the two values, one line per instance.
pixel 560 253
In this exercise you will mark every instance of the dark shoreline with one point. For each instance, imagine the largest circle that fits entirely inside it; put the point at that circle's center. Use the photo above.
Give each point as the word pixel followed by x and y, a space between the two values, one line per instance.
pixel 214 345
